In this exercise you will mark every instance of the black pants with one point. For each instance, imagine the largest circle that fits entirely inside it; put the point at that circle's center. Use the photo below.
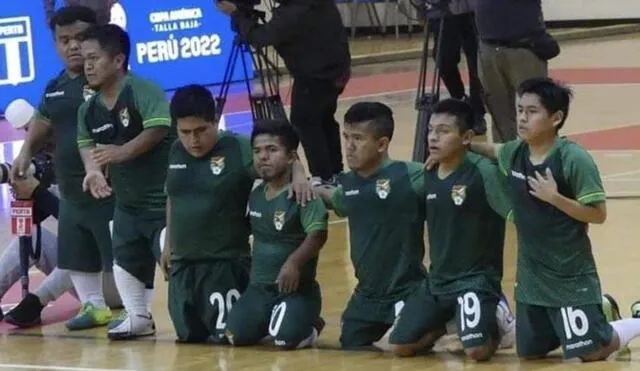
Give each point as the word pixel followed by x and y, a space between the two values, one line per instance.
pixel 313 106
pixel 459 32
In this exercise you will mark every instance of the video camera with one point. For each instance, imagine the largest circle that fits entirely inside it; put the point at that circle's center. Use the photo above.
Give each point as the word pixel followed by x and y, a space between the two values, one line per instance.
pixel 431 9
pixel 41 167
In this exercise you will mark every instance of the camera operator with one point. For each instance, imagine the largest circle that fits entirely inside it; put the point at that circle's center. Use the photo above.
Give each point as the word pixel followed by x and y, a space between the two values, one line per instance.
pixel 101 7
pixel 27 312
pixel 459 32
pixel 514 47
pixel 311 39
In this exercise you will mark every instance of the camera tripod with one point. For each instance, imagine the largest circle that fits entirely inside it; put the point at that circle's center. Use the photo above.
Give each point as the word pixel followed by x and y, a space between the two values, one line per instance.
pixel 426 100
pixel 265 101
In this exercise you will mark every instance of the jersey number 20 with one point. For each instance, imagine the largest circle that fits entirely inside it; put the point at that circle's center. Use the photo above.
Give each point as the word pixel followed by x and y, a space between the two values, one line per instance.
pixel 224 305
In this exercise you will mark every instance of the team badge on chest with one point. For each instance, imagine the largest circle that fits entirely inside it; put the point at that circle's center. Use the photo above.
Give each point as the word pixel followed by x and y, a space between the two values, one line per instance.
pixel 278 220
pixel 383 188
pixel 458 194
pixel 217 165
pixel 87 93
pixel 124 117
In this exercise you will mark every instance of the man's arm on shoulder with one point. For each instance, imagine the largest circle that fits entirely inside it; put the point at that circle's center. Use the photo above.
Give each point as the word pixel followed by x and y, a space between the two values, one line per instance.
pixel 416 175
pixel 282 28
pixel 502 152
pixel 333 198
pixel 153 107
pixel 495 187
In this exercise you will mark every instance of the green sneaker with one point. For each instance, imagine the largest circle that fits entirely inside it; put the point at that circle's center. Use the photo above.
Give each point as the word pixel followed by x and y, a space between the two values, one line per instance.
pixel 118 320
pixel 89 316
pixel 610 308
pixel 635 309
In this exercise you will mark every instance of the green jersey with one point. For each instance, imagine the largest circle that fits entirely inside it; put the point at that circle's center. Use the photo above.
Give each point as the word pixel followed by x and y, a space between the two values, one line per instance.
pixel 556 267
pixel 465 219
pixel 279 227
pixel 209 198
pixel 386 214
pixel 139 182
pixel 59 107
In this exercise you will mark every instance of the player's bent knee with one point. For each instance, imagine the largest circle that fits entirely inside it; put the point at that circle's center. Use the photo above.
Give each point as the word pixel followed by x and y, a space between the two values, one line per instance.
pixel 597 356
pixel 481 353
pixel 404 350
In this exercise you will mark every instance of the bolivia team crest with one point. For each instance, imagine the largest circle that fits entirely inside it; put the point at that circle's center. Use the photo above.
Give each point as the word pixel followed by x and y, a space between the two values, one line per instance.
pixel 278 219
pixel 383 188
pixel 124 117
pixel 458 194
pixel 217 165
pixel 87 93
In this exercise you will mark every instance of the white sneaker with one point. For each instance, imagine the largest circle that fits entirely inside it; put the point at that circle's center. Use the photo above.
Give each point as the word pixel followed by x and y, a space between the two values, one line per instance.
pixel 133 326
pixel 506 324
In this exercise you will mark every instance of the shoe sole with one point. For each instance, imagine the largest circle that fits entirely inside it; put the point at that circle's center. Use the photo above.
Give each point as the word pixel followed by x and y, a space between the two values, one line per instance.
pixel 13 322
pixel 128 336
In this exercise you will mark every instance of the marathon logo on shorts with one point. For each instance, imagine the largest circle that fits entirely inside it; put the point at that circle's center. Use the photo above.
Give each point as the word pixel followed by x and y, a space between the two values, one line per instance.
pixel 383 188
pixel 278 219
pixel 17 64
pixel 458 194
pixel 580 344
pixel 473 336
pixel 217 165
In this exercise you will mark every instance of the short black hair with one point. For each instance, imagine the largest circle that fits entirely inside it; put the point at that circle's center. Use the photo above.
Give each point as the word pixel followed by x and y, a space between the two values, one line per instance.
pixel 193 101
pixel 69 15
pixel 554 96
pixel 111 38
pixel 377 115
pixel 278 128
pixel 461 110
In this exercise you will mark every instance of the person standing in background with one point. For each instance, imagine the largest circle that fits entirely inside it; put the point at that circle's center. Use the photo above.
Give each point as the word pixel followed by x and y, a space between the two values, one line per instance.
pixel 459 32
pixel 101 7
pixel 311 40
pixel 514 47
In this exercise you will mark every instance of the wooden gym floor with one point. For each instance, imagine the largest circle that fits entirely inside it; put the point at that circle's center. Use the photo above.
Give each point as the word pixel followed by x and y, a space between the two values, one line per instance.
pixel 604 117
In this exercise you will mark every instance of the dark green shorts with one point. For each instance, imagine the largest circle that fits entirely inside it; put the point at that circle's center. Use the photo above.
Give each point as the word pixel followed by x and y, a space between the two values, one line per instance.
pixel 581 330
pixel 201 295
pixel 136 242
pixel 263 311
pixel 84 241
pixel 366 320
pixel 474 312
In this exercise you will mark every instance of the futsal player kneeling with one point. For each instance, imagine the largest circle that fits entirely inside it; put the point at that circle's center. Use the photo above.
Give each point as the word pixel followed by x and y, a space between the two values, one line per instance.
pixel 207 254
pixel 465 211
pixel 556 192
pixel 283 299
